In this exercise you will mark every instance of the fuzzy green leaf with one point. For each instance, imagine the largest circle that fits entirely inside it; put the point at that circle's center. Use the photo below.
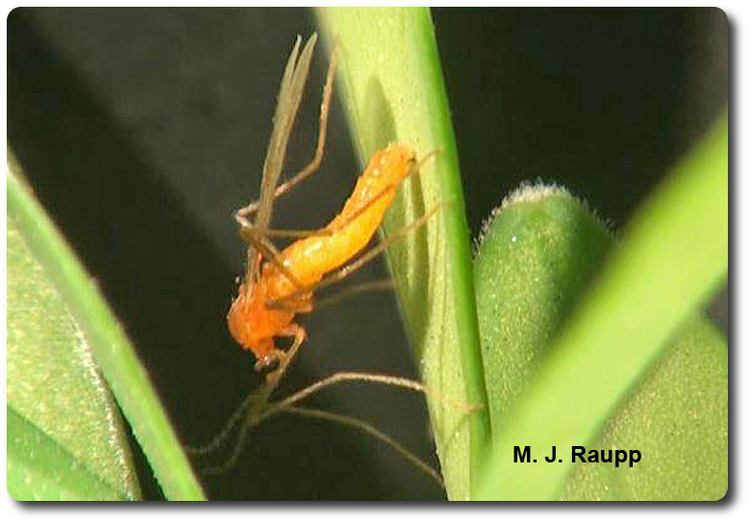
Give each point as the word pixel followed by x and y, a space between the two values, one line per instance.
pixel 41 470
pixel 673 256
pixel 56 394
pixel 56 316
pixel 538 254
pixel 678 419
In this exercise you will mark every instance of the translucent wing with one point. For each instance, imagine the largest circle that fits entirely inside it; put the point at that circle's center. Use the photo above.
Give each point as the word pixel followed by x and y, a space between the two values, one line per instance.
pixel 290 96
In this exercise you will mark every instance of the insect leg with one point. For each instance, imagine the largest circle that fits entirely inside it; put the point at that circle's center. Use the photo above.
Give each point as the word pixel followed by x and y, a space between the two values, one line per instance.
pixel 284 358
pixel 353 290
pixel 330 230
pixel 369 429
pixel 267 249
pixel 219 438
pixel 325 231
pixel 255 406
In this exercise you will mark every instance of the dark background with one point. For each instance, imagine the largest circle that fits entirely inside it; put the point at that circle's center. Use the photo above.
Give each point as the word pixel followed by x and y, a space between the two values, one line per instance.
pixel 143 129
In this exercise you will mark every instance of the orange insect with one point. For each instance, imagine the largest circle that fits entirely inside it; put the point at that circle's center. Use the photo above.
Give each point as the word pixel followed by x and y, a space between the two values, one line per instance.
pixel 274 291
pixel 254 323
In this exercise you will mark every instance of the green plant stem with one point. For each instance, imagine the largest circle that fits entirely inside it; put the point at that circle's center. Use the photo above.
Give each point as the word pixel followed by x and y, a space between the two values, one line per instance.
pixel 393 92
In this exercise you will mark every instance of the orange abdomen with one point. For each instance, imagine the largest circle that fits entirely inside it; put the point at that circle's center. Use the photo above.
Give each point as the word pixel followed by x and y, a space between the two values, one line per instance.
pixel 311 258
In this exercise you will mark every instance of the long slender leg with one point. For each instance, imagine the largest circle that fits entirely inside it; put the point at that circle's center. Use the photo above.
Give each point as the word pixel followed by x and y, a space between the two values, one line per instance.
pixel 353 290
pixel 255 405
pixel 314 164
pixel 284 358
pixel 392 381
pixel 328 231
pixel 369 429
pixel 268 250
pixel 219 438
pixel 246 225
pixel 256 402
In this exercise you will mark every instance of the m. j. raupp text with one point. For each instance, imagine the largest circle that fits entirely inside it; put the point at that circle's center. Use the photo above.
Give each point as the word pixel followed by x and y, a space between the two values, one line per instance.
pixel 579 454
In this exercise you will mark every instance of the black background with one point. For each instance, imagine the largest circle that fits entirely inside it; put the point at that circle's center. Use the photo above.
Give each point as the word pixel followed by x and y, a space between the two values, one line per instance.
pixel 143 129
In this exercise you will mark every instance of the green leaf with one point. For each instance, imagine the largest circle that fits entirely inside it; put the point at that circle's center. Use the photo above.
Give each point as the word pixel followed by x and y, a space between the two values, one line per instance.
pixel 678 419
pixel 56 393
pixel 538 254
pixel 56 320
pixel 41 470
pixel 393 92
pixel 672 257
